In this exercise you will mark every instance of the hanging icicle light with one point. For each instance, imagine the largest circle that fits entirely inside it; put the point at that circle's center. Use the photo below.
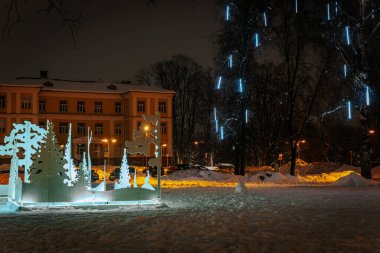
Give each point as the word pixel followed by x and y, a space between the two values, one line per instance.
pixel 246 115
pixel 367 95
pixel 347 32
pixel 240 85
pixel 349 110
pixel 336 7
pixel 296 6
pixel 230 61
pixel 256 39
pixel 345 70
pixel 219 83
pixel 216 120
pixel 221 133
pixel 228 13
pixel 328 11
pixel 265 19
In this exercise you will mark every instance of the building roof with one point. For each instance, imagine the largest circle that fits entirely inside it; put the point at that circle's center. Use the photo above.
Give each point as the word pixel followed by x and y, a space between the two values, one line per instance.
pixel 82 86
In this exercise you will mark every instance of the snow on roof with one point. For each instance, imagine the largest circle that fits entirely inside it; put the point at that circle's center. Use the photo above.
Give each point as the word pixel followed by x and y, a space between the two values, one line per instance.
pixel 82 86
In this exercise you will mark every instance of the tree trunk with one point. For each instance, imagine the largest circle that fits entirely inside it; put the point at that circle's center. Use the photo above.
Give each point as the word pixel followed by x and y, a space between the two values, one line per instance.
pixel 365 147
pixel 293 158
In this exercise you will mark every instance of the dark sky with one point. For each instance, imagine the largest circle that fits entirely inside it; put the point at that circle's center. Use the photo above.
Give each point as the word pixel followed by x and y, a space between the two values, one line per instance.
pixel 117 39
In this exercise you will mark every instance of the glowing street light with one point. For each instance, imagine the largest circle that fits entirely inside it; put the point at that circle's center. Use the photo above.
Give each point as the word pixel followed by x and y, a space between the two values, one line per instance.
pixel 298 146
pixel 108 141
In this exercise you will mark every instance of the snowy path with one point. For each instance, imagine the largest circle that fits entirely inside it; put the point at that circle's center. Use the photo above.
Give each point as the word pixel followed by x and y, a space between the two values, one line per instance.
pixel 265 219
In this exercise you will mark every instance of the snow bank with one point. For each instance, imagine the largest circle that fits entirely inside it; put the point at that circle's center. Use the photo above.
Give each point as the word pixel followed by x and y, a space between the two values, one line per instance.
pixel 352 180
pixel 276 178
pixel 196 174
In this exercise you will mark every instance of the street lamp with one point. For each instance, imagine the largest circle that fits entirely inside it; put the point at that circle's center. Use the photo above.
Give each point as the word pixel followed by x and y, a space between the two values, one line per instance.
pixel 108 141
pixel 298 146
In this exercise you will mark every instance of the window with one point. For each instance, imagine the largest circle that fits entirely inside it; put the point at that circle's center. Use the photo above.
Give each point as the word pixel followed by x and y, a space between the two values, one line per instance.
pixel 42 124
pixel 81 128
pixel 98 107
pixel 63 127
pixel 164 128
pixel 63 105
pixel 42 105
pixel 162 107
pixel 2 101
pixel 140 106
pixel 2 125
pixel 138 124
pixel 81 106
pixel 118 129
pixel 98 128
pixel 117 107
pixel 26 102
pixel 98 149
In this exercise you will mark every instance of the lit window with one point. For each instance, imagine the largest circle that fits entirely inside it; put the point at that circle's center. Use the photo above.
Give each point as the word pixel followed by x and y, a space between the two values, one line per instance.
pixel 98 107
pixel 140 106
pixel 26 102
pixel 164 128
pixel 63 107
pixel 42 105
pixel 2 125
pixel 81 128
pixel 98 128
pixel 81 106
pixel 63 127
pixel 162 107
pixel 118 129
pixel 119 150
pixel 117 107
pixel 2 101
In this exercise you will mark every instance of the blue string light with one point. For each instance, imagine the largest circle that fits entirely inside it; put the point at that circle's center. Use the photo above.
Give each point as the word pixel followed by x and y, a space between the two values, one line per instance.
pixel 265 19
pixel 228 14
pixel 349 110
pixel 240 85
pixel 328 12
pixel 219 84
pixel 345 70
pixel 221 133
pixel 216 120
pixel 256 39
pixel 230 61
pixel 296 5
pixel 367 95
pixel 336 7
pixel 347 31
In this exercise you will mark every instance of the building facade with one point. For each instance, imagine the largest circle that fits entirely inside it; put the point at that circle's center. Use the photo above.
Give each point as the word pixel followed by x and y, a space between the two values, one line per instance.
pixel 110 110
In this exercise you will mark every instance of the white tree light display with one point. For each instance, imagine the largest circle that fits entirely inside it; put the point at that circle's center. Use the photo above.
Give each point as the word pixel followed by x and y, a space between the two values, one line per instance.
pixel 69 167
pixel 124 173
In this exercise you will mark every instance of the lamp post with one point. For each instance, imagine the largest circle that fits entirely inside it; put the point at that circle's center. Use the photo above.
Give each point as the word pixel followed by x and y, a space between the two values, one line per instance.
pixel 167 154
pixel 298 147
pixel 108 141
pixel 196 143
pixel 146 129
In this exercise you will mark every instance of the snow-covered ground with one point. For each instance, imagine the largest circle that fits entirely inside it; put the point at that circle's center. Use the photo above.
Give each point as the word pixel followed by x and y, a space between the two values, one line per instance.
pixel 280 218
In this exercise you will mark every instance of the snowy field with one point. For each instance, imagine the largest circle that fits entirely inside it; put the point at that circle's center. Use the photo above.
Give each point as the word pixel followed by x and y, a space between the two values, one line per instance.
pixel 279 218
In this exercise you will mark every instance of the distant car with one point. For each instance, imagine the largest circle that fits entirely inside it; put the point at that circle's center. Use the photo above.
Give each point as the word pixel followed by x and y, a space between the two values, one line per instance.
pixel 170 169
pixel 183 166
pixel 225 167
pixel 94 176
pixel 115 174
pixel 153 171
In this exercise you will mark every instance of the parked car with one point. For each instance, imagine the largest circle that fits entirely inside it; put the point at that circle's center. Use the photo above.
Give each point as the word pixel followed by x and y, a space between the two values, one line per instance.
pixel 170 169
pixel 153 171
pixel 94 176
pixel 115 174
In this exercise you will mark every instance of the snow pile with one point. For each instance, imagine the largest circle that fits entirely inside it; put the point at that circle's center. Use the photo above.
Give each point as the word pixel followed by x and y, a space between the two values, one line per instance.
pixel 352 180
pixel 276 178
pixel 184 174
pixel 240 188
pixel 376 172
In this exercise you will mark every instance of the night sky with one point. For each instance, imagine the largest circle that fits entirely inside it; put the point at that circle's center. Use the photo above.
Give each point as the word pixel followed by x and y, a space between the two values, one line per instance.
pixel 117 39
